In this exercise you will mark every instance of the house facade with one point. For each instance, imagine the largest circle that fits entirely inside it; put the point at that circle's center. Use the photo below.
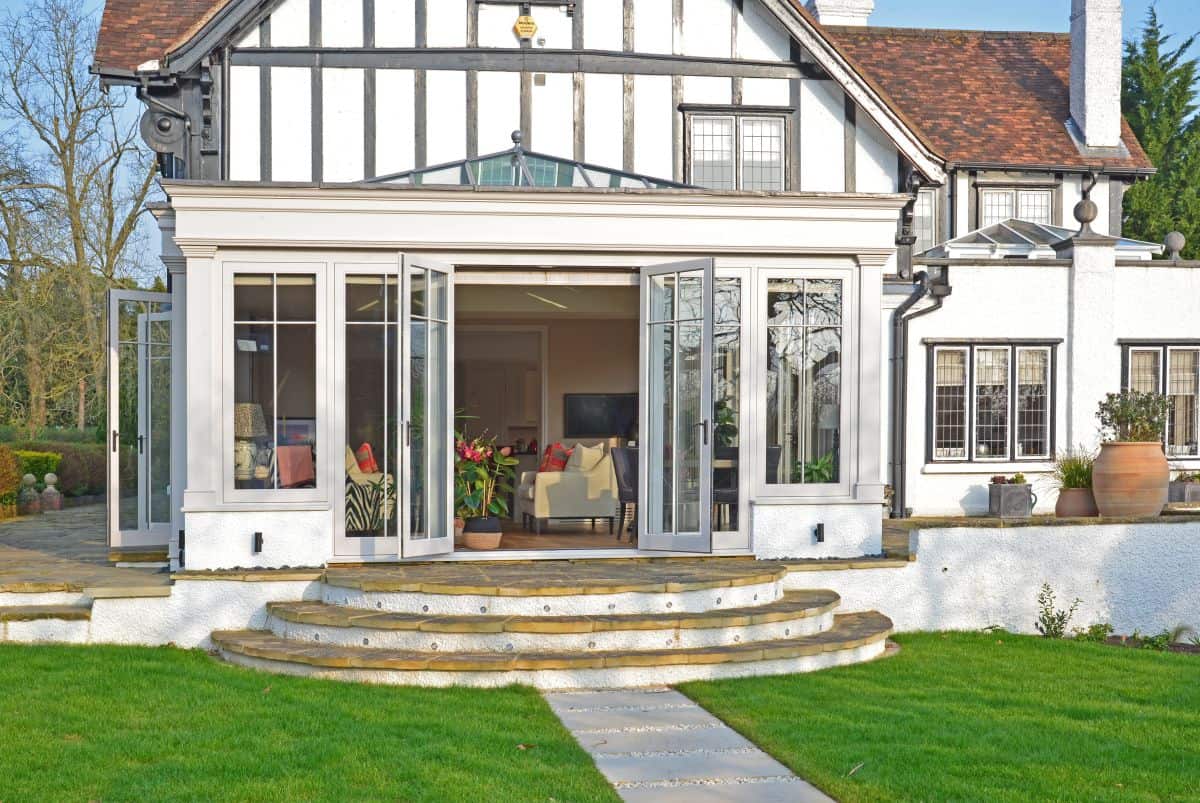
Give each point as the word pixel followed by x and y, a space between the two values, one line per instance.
pixel 742 245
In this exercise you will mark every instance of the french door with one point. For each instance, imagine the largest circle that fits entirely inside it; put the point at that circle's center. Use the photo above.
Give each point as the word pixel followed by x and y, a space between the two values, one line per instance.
pixel 395 408
pixel 675 454
pixel 139 418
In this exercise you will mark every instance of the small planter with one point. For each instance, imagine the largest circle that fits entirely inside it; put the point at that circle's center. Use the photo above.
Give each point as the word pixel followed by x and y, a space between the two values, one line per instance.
pixel 1076 503
pixel 1183 492
pixel 482 533
pixel 1131 478
pixel 1010 501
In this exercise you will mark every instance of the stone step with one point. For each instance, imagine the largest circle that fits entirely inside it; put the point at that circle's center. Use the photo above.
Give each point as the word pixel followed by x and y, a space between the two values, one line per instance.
pixel 853 638
pixel 61 623
pixel 557 588
pixel 797 613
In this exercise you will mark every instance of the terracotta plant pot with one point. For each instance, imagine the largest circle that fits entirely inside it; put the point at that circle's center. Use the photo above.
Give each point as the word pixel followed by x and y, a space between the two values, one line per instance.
pixel 1076 503
pixel 482 533
pixel 1130 479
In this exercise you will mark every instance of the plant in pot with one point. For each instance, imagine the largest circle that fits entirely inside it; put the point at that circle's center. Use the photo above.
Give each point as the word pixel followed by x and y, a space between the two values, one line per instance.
pixel 1131 474
pixel 483 475
pixel 1073 476
pixel 1011 497
pixel 1185 487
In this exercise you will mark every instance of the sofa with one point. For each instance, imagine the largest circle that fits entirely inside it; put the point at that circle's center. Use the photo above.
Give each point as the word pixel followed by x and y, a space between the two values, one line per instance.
pixel 585 489
pixel 370 497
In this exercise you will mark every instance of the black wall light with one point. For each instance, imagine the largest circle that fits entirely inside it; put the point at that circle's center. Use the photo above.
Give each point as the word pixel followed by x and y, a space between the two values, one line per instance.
pixel 257 543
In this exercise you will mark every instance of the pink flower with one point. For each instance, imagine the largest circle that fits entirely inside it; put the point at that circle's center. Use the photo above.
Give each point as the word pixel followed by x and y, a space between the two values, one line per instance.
pixel 506 451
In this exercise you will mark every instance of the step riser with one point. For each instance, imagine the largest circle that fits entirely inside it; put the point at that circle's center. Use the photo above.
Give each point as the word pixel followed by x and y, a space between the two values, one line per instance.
pixel 622 640
pixel 19 599
pixel 617 677
pixel 699 601
pixel 47 631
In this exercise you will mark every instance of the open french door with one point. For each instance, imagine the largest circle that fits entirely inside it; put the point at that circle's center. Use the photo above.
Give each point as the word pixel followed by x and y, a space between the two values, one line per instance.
pixel 675 451
pixel 139 418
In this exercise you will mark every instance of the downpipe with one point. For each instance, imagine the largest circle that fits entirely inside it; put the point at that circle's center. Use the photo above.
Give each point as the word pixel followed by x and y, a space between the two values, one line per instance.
pixel 899 364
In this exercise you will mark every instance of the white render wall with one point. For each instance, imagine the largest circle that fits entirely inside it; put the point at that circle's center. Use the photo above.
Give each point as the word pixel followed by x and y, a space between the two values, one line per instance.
pixel 1133 576
pixel 789 530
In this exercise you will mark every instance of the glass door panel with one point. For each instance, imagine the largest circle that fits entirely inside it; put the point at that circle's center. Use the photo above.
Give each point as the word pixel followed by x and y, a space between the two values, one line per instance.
pixel 139 414
pixel 426 402
pixel 676 450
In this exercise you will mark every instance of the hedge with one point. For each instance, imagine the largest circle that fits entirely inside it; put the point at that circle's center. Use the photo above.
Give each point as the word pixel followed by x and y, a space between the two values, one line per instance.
pixel 13 434
pixel 10 477
pixel 83 467
pixel 38 463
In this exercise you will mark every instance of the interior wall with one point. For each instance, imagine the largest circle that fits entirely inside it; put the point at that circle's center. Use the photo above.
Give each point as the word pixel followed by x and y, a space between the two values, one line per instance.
pixel 584 356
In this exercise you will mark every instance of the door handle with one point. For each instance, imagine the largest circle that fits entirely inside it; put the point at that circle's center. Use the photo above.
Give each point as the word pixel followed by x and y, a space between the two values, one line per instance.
pixel 141 443
pixel 408 430
pixel 114 440
pixel 703 432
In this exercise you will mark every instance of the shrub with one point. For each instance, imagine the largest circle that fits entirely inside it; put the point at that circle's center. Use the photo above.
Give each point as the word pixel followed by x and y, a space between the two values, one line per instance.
pixel 10 476
pixel 1134 416
pixel 12 434
pixel 1073 468
pixel 1099 633
pixel 1053 623
pixel 39 464
pixel 82 469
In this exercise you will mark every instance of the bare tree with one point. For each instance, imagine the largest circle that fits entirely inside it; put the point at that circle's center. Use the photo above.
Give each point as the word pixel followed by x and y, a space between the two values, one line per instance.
pixel 73 182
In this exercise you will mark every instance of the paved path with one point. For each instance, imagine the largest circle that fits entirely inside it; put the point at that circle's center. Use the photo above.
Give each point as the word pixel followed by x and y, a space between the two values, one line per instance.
pixel 657 745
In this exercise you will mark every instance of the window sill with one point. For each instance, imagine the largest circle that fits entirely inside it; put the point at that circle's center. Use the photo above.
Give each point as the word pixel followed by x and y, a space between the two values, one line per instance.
pixel 1036 466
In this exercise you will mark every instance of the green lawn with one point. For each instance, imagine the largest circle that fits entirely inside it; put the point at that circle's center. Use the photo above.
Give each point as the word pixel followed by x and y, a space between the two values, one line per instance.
pixel 976 716
pixel 117 723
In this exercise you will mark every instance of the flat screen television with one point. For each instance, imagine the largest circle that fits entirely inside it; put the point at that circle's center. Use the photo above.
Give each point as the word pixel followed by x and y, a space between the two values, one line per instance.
pixel 600 415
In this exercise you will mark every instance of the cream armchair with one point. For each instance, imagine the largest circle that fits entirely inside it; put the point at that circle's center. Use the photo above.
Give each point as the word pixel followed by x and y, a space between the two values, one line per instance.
pixel 370 497
pixel 585 489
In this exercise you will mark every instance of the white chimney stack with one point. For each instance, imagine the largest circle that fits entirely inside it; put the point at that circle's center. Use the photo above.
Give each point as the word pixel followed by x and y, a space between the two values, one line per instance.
pixel 841 12
pixel 1096 71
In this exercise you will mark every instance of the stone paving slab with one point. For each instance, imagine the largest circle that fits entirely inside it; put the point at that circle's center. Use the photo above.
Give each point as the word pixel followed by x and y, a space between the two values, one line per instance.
pixel 658 745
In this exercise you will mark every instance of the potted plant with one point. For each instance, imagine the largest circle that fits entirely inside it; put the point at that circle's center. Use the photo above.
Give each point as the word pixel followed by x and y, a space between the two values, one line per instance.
pixel 1185 487
pixel 1073 476
pixel 483 475
pixel 1011 498
pixel 1131 475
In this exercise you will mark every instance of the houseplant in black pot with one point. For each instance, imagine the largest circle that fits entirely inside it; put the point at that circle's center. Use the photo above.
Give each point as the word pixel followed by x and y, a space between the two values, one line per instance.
pixel 1011 498
pixel 483 475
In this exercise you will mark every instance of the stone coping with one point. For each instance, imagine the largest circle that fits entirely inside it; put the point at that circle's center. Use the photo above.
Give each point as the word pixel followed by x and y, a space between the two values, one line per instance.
pixel 849 631
pixel 986 522
pixel 844 564
pixel 251 575
pixel 31 613
pixel 792 606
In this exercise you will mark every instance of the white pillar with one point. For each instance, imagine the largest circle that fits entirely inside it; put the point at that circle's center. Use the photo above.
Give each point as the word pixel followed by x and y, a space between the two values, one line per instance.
pixel 176 265
pixel 1092 354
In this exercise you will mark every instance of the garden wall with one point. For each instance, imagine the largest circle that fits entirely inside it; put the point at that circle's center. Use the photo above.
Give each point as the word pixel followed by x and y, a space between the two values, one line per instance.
pixel 1143 576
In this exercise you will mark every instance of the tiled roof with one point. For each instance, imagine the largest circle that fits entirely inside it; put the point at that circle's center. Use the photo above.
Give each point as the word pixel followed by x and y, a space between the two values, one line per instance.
pixel 980 97
pixel 133 32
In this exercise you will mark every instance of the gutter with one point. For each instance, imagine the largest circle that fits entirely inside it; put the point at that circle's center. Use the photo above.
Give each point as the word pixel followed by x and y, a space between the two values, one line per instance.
pixel 899 364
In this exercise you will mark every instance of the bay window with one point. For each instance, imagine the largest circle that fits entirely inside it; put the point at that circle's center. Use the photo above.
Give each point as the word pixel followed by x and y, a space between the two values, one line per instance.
pixel 991 402
pixel 1174 370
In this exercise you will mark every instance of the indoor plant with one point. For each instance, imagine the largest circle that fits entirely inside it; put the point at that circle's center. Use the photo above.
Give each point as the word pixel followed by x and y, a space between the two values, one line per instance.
pixel 483 475
pixel 1011 498
pixel 1073 476
pixel 1185 487
pixel 1131 474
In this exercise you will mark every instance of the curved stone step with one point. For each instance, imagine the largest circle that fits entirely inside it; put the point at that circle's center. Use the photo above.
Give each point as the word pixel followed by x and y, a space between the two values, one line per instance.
pixel 854 637
pixel 557 588
pixel 797 613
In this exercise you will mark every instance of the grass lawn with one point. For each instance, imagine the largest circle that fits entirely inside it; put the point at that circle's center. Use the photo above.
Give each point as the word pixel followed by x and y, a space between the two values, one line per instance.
pixel 130 723
pixel 976 716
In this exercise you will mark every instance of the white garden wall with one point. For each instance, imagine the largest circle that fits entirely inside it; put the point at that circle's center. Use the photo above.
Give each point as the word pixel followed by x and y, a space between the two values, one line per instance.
pixel 1134 576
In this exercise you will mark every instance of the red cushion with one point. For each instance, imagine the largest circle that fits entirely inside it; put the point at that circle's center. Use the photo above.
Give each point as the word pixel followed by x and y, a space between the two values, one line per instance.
pixel 365 456
pixel 556 458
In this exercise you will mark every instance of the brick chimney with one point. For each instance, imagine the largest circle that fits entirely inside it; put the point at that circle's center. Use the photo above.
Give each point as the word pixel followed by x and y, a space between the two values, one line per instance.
pixel 1096 71
pixel 841 12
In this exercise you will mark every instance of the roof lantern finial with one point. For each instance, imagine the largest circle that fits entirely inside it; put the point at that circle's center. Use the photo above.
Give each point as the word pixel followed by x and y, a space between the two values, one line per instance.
pixel 516 138
pixel 1086 210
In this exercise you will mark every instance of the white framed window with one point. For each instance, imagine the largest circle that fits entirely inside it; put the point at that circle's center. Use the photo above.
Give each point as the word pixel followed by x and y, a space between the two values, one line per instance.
pixel 730 151
pixel 1174 370
pixel 274 399
pixel 924 225
pixel 1002 203
pixel 991 402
